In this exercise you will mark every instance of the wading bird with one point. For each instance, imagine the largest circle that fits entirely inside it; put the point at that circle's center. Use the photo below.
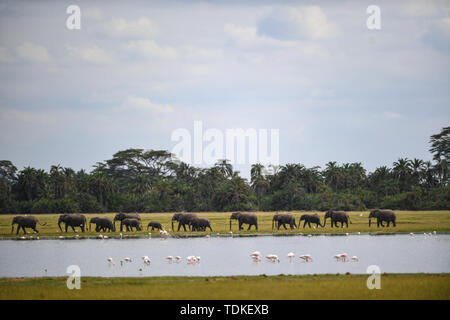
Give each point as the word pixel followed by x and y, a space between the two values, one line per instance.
pixel 272 258
pixel 306 257
pixel 341 257
pixel 290 255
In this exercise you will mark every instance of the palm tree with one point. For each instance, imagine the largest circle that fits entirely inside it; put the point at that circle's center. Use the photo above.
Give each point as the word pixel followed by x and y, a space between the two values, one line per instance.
pixel 332 174
pixel 402 170
pixel 225 167
pixel 417 167
pixel 258 183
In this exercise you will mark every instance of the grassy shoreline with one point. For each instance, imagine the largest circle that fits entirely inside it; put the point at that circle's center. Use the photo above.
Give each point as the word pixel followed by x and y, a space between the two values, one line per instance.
pixel 407 221
pixel 284 287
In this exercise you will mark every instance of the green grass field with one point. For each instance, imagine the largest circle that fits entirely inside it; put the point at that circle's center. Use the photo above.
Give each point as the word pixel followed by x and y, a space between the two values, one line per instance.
pixel 393 286
pixel 407 221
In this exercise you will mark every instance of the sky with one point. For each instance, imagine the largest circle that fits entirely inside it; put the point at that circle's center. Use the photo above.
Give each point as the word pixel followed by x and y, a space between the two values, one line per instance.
pixel 137 71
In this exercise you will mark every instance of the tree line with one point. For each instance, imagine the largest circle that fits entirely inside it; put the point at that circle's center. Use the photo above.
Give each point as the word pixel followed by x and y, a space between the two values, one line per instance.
pixel 153 181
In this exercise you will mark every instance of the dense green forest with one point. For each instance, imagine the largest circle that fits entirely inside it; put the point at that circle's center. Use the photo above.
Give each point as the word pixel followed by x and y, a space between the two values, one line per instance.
pixel 151 181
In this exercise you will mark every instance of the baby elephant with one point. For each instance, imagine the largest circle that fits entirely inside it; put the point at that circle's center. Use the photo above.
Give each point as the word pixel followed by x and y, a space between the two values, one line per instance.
pixel 102 224
pixel 310 218
pixel 154 225
pixel 130 224
pixel 200 224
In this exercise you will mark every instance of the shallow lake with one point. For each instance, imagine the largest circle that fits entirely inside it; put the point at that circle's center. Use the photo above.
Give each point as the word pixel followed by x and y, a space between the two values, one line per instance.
pixel 225 255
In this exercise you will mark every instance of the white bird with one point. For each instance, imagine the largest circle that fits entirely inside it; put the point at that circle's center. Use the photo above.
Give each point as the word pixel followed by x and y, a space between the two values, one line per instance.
pixel 170 258
pixel 290 255
pixel 306 257
pixel 359 232
pixel 434 232
pixel 346 234
pixel 105 237
pixel 198 258
pixel 256 258
pixel 178 258
pixel 127 259
pixel 191 259
pixel 355 258
pixel 100 236
pixel 411 234
pixel 147 260
pixel 121 235
pixel 342 257
pixel 255 254
pixel 273 258
pixel 110 260
pixel 163 233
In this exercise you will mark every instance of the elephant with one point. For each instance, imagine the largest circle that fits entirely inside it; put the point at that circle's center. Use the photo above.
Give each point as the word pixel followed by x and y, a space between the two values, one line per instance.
pixel 337 216
pixel 154 225
pixel 102 224
pixel 72 220
pixel 183 219
pixel 249 218
pixel 283 219
pixel 310 218
pixel 130 224
pixel 200 224
pixel 25 222
pixel 382 215
pixel 120 216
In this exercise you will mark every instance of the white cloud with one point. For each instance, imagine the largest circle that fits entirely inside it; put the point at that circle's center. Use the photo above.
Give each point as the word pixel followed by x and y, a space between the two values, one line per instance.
pixel 92 54
pixel 142 104
pixel 139 28
pixel 33 52
pixel 289 23
pixel 195 53
pixel 92 14
pixel 151 48
pixel 418 8
pixel 4 55
pixel 388 115
pixel 248 36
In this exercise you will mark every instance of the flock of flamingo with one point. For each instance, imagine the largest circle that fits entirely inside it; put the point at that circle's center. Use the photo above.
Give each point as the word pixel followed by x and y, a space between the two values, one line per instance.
pixel 256 256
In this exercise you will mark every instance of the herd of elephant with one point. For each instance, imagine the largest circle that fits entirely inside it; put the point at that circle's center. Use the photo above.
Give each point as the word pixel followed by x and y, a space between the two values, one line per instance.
pixel 195 223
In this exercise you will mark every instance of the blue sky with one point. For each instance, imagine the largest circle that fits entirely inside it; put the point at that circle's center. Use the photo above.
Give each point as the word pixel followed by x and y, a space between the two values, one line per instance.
pixel 134 73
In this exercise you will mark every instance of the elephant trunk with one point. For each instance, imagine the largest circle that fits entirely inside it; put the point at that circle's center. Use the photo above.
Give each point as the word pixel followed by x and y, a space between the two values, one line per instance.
pixel 12 230
pixel 172 225
pixel 273 220
pixel 230 224
pixel 370 221
pixel 59 225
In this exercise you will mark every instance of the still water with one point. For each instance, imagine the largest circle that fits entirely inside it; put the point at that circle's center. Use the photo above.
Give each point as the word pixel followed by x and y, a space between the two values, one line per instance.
pixel 225 256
